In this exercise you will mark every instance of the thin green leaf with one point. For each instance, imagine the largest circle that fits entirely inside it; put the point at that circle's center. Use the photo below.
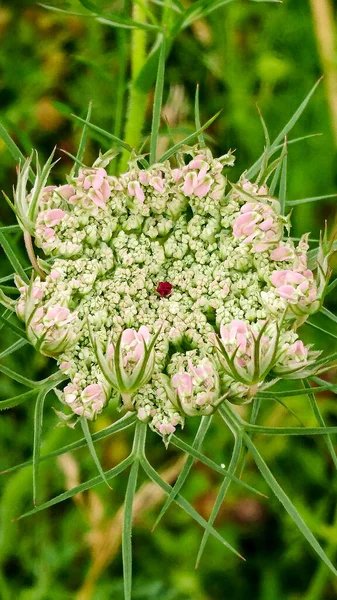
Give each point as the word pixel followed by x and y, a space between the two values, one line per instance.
pixel 201 138
pixel 63 11
pixel 14 150
pixel 325 384
pixel 202 430
pixel 77 162
pixel 288 393
pixel 127 530
pixel 90 6
pixel 5 404
pixel 327 313
pixel 286 502
pixel 82 144
pixel 331 286
pixel 103 132
pixel 210 463
pixel 12 257
pixel 17 377
pixel 276 399
pixel 38 422
pixel 157 103
pixel 313 199
pixel 223 490
pixel 289 430
pixel 13 348
pixel 14 328
pixel 283 182
pixel 333 335
pixel 9 289
pixel 320 420
pixel 116 21
pixel 123 423
pixel 286 129
pixel 11 276
pixel 10 229
pixel 198 10
pixel 153 475
pixel 253 418
pixel 188 139
pixel 112 137
pixel 88 438
pixel 83 487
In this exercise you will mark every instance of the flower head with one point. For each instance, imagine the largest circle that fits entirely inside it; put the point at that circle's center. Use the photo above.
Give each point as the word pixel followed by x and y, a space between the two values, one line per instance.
pixel 165 287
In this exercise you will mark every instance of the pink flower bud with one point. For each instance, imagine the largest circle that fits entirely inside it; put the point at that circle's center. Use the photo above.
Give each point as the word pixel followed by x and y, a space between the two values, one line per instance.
pixel 297 288
pixel 65 366
pixel 165 429
pixel 259 225
pixel 58 315
pixel 48 233
pixel 281 253
pixel 144 177
pixel 247 353
pixel 134 189
pixel 54 274
pixel 157 183
pixel 93 393
pixel 54 217
pixel 66 191
pixel 196 389
pixel 177 175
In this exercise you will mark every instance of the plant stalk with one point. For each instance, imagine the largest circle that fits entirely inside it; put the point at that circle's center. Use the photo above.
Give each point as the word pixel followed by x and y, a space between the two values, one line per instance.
pixel 137 97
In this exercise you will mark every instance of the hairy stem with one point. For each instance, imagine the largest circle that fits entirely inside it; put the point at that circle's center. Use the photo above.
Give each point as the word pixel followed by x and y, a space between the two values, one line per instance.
pixel 31 254
pixel 137 98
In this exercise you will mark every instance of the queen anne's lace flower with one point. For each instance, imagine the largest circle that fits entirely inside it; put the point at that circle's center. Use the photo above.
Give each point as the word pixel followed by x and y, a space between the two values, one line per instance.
pixel 163 288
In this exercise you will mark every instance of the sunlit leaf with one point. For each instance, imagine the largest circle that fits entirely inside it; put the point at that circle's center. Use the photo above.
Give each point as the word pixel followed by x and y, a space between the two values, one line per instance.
pixel 157 102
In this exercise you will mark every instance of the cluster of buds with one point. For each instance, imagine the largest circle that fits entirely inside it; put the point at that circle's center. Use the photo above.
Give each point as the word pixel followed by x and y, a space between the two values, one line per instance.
pixel 52 329
pixel 128 364
pixel 147 267
pixel 45 228
pixel 92 186
pixel 88 402
pixel 299 289
pixel 295 360
pixel 259 225
pixel 302 291
pixel 202 177
pixel 246 353
pixel 26 206
pixel 195 388
pixel 249 354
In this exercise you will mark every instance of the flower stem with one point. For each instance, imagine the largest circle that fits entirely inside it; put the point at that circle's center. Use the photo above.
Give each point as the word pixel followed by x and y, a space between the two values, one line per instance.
pixel 31 254
pixel 137 98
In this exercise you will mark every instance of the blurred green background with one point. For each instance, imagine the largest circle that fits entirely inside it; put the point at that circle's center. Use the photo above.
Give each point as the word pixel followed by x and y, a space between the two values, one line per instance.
pixel 243 54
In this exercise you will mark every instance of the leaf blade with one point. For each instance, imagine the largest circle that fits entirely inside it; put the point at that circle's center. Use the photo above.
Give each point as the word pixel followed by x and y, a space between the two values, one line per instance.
pixel 157 103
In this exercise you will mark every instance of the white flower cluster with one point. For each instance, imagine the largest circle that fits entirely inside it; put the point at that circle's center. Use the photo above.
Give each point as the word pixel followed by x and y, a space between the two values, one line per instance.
pixel 166 288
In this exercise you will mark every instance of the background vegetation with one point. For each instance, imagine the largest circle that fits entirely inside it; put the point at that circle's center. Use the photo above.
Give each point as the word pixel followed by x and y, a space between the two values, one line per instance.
pixel 242 54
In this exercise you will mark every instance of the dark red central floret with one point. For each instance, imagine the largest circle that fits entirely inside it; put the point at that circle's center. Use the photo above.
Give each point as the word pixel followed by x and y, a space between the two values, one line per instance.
pixel 164 288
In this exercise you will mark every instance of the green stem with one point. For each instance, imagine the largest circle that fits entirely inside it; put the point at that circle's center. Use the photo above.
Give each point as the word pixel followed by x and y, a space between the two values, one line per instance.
pixel 138 448
pixel 137 98
pixel 224 486
pixel 138 452
pixel 253 419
